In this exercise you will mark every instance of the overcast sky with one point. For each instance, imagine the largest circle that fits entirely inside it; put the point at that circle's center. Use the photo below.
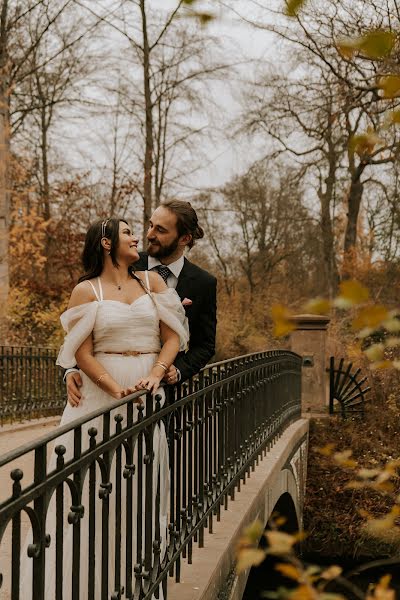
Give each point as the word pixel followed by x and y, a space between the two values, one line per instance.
pixel 223 156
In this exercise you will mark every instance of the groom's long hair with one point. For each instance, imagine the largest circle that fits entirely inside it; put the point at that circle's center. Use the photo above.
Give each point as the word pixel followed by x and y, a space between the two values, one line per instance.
pixel 93 251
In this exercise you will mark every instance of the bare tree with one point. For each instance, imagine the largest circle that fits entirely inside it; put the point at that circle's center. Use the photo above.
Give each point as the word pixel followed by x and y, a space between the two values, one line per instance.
pixel 325 113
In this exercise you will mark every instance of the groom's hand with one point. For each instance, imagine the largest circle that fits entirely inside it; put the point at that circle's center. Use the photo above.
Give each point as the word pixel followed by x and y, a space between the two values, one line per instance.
pixel 171 376
pixel 74 382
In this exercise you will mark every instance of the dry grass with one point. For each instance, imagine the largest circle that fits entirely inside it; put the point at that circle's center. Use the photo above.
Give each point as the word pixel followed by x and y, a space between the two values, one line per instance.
pixel 332 511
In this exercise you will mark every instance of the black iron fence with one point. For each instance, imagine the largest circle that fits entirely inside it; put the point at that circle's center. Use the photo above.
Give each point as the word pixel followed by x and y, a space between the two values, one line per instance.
pixel 31 384
pixel 95 512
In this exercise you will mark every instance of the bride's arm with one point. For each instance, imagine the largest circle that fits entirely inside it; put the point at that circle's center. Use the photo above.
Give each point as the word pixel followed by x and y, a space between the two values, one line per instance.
pixel 82 294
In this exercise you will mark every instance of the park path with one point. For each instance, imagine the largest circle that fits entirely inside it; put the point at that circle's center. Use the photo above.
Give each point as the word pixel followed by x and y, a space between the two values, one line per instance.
pixel 11 437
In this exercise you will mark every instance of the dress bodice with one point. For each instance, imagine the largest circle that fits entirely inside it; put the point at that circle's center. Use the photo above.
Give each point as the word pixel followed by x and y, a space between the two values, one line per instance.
pixel 120 327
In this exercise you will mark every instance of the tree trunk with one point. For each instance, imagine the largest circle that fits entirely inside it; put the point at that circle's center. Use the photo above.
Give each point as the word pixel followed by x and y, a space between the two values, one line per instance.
pixel 148 156
pixel 353 210
pixel 4 159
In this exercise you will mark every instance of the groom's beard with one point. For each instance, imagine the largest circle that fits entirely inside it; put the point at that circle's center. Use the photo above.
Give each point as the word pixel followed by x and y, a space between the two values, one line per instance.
pixel 156 250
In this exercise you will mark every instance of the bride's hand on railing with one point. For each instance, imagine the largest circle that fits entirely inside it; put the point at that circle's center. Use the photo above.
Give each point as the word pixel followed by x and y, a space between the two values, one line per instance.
pixel 125 392
pixel 150 383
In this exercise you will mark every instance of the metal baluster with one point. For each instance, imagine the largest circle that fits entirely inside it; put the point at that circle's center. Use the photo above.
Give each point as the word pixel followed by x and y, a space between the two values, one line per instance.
pixel 75 519
pixel 148 460
pixel 92 518
pixel 60 451
pixel 118 500
pixel 16 476
pixel 40 510
pixel 129 473
pixel 104 494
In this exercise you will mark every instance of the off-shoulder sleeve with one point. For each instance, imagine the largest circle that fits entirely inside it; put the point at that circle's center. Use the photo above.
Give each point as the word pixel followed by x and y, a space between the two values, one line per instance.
pixel 172 313
pixel 78 323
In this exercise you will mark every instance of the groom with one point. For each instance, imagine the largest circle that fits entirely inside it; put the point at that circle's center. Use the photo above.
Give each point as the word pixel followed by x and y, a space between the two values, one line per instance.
pixel 173 226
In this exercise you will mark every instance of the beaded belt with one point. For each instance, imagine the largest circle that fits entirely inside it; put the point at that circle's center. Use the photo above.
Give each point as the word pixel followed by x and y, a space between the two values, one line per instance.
pixel 129 353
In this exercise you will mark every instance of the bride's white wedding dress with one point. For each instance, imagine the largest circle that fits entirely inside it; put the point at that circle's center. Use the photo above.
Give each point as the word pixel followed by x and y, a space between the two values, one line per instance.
pixel 116 327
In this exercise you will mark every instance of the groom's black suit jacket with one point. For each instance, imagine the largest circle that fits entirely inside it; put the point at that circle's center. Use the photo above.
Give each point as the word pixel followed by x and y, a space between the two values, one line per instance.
pixel 200 287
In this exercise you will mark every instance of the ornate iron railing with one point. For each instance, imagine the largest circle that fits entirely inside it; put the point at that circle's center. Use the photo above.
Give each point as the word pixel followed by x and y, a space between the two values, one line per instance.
pixel 31 385
pixel 107 492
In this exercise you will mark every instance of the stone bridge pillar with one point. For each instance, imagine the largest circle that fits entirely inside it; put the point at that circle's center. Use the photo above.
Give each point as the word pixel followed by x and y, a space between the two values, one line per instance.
pixel 309 340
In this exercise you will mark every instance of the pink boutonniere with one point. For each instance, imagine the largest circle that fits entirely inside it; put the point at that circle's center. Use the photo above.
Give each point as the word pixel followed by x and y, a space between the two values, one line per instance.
pixel 187 302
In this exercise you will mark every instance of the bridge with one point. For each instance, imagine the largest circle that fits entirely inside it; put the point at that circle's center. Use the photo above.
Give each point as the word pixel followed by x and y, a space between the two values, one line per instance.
pixel 237 451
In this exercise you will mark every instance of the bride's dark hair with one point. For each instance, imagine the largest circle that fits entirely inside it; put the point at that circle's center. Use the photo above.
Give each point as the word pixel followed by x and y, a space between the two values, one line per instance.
pixel 93 251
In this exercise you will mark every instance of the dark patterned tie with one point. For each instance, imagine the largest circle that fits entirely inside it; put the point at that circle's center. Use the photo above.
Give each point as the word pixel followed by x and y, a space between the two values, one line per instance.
pixel 164 271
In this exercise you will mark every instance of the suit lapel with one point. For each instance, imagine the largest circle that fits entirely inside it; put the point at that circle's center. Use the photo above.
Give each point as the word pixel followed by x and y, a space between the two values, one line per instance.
pixel 185 279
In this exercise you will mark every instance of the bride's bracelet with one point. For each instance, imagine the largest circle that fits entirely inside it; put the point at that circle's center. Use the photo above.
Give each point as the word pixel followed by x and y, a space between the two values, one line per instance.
pixel 97 382
pixel 162 365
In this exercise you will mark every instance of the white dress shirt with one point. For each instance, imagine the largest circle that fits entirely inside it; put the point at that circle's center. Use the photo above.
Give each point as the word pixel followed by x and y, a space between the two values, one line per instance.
pixel 175 268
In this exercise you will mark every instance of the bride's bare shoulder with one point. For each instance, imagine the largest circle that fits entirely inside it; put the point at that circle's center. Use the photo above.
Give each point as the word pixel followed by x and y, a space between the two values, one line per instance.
pixel 81 294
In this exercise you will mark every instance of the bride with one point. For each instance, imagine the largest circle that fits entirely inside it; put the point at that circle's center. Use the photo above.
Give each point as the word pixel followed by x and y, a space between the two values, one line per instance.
pixel 123 330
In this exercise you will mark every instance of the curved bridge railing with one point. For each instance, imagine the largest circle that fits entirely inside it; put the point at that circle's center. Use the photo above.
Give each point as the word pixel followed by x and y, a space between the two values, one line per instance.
pixel 103 504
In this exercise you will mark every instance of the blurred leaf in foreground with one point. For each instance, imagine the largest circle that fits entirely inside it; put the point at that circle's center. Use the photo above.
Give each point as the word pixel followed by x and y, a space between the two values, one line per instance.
pixel 292 7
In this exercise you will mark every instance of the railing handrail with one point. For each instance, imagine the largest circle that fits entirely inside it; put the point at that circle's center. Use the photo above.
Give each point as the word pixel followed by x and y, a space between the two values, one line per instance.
pixel 146 483
pixel 52 435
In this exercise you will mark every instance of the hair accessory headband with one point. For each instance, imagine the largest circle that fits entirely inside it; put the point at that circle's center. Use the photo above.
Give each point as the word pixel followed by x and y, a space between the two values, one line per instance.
pixel 103 228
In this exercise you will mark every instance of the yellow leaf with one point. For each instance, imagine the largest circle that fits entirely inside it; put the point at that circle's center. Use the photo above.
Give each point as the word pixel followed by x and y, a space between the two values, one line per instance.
pixel 281 318
pixel 279 542
pixel 364 143
pixel 392 342
pixel 392 324
pixel 384 527
pixel 332 572
pixel 393 118
pixel 292 7
pixel 317 306
pixel 377 44
pixel 289 571
pixel 370 316
pixel 353 291
pixel 381 364
pixel 303 592
pixel 249 557
pixel 375 352
pixel 390 86
pixel 254 531
pixel 343 459
pixel 368 473
pixel 326 450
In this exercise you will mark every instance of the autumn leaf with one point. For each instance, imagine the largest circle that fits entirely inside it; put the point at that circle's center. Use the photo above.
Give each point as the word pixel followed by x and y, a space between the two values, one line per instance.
pixel 280 542
pixel 344 459
pixel 317 306
pixel 390 86
pixel 375 45
pixel 281 318
pixel 384 527
pixel 364 144
pixel 254 531
pixel 392 118
pixel 326 450
pixel 289 571
pixel 375 352
pixel 352 292
pixel 303 592
pixel 382 590
pixel 293 7
pixel 370 316
pixel 331 572
pixel 249 557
